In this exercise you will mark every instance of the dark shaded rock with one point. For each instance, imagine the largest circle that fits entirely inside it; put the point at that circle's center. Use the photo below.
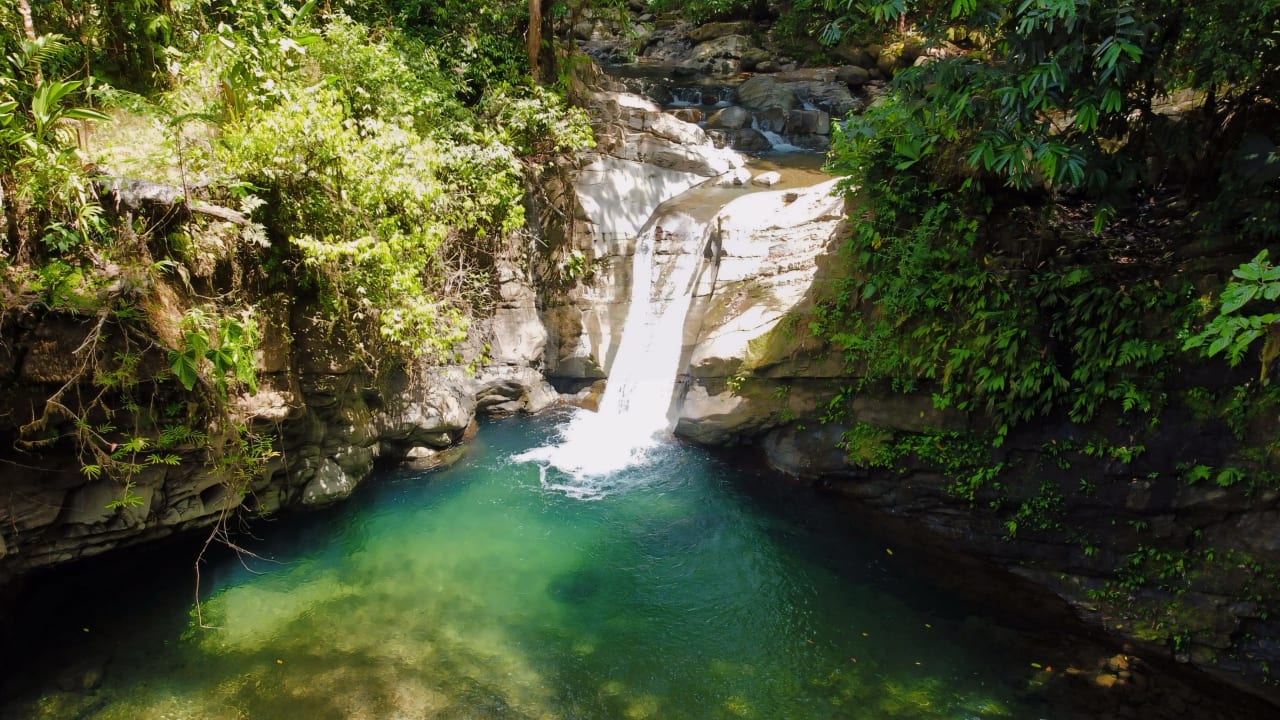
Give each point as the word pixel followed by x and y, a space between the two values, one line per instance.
pixel 854 75
pixel 771 120
pixel 749 140
pixel 576 586
pixel 808 122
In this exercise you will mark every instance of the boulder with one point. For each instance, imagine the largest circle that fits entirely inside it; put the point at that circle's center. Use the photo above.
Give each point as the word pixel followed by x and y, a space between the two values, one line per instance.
pixel 809 454
pixel 806 75
pixel 689 115
pixel 436 400
pixel 764 92
pixel 732 118
pixel 853 75
pixel 767 179
pixel 712 31
pixel 898 55
pixel 507 390
pixel 855 55
pixel 808 122
pixel 833 97
pixel 752 58
pixel 729 46
pixel 749 140
pixel 330 484
pixel 735 178
pixel 772 120
pixel 711 418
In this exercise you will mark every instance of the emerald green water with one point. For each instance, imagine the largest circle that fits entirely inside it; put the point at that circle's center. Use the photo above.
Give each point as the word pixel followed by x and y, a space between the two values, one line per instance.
pixel 695 592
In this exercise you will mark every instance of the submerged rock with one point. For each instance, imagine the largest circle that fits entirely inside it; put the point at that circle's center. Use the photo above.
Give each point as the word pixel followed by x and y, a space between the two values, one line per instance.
pixel 576 586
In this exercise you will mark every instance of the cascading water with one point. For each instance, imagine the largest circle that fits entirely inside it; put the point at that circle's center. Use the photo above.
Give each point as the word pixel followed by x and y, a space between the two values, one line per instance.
pixel 717 97
pixel 778 143
pixel 633 414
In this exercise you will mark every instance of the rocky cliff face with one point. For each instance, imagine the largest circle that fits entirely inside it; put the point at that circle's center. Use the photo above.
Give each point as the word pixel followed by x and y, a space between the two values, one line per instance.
pixel 331 419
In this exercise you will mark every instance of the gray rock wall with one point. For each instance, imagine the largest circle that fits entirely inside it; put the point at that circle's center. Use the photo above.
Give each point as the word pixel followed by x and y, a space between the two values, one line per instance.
pixel 331 421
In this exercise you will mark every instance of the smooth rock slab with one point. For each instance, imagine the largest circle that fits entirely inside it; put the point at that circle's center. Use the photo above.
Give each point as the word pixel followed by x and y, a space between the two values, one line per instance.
pixel 767 179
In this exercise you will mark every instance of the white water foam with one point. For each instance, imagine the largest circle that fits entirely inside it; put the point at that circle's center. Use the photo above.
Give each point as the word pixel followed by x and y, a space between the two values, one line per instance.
pixel 778 143
pixel 632 418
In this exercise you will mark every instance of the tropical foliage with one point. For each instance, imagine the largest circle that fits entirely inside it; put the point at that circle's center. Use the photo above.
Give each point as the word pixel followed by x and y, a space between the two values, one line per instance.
pixel 1050 117
pixel 375 167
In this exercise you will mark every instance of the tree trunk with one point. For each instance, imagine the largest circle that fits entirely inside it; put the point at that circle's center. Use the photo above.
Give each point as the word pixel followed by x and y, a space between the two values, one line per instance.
pixel 533 40
pixel 24 9
pixel 13 237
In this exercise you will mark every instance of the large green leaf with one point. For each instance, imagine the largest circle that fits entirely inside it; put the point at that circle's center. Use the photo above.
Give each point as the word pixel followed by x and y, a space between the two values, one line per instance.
pixel 183 365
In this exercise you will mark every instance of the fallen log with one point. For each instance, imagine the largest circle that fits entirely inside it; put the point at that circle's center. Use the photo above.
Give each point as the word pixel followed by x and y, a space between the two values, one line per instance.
pixel 163 203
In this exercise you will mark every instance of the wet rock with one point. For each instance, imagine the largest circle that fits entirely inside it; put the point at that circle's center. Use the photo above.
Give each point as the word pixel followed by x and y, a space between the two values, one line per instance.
pixel 422 458
pixel 830 96
pixel 808 122
pixel 689 115
pixel 773 120
pixel 751 140
pixel 732 118
pixel 808 455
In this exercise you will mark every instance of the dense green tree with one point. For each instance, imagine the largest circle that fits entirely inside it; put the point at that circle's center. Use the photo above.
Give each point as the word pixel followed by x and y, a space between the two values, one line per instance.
pixel 971 267
pixel 1084 94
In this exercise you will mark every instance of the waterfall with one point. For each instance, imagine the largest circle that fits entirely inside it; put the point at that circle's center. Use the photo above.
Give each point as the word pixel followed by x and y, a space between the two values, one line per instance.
pixel 778 142
pixel 710 96
pixel 633 414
